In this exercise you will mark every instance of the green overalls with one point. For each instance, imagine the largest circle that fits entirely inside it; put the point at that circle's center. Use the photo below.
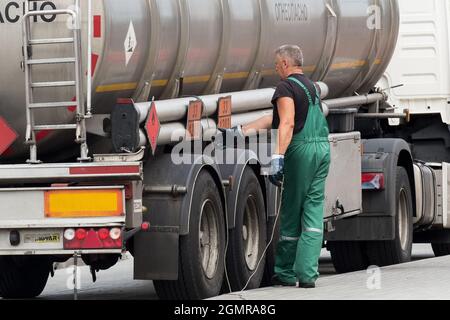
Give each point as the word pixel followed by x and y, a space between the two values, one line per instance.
pixel 307 163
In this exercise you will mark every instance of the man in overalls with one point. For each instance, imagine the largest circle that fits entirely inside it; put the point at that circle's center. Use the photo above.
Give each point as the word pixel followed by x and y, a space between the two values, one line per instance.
pixel 300 166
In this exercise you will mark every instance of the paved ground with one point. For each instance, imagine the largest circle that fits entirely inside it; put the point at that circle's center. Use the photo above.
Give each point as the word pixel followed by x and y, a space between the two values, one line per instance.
pixel 419 280
pixel 118 284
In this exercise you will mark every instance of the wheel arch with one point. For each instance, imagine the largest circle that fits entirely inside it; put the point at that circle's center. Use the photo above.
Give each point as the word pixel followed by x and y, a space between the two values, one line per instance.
pixel 169 213
pixel 405 160
pixel 234 173
pixel 389 154
pixel 201 163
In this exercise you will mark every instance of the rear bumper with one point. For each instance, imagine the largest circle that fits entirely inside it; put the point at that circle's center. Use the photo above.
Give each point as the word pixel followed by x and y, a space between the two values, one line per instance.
pixel 26 228
pixel 39 202
pixel 57 252
pixel 44 241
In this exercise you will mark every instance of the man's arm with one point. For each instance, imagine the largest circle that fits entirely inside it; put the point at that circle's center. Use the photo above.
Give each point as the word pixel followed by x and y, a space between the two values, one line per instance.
pixel 260 124
pixel 286 111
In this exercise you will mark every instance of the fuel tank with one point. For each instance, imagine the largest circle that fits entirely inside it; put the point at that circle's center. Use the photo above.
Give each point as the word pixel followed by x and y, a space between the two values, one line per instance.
pixel 167 48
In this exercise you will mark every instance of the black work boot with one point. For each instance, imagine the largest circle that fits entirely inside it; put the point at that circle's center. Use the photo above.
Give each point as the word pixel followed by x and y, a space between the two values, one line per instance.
pixel 310 285
pixel 276 282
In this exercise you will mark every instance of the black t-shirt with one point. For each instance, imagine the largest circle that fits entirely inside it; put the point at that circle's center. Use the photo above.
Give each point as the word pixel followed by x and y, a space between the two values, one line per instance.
pixel 290 89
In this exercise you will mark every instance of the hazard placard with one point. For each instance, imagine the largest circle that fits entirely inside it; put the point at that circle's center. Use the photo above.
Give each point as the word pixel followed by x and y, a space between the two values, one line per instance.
pixel 153 127
pixel 7 136
pixel 224 111
pixel 194 130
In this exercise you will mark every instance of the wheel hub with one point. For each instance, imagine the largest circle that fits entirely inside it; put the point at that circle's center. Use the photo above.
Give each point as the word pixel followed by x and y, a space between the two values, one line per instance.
pixel 403 219
pixel 209 239
pixel 250 234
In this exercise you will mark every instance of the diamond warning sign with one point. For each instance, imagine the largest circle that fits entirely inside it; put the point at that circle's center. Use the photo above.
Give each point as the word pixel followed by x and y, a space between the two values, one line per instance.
pixel 7 136
pixel 153 127
pixel 130 43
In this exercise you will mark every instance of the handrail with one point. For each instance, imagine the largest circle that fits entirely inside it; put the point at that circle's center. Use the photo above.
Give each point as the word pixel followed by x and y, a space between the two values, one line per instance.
pixel 49 13
pixel 89 63
pixel 79 101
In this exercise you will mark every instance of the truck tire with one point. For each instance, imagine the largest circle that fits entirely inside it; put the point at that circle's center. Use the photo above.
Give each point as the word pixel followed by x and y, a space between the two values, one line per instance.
pixel 441 249
pixel 385 253
pixel 247 240
pixel 201 262
pixel 348 256
pixel 23 277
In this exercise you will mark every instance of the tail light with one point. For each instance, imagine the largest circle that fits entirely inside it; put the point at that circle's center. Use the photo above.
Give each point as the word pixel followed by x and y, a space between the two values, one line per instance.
pixel 373 181
pixel 103 234
pixel 85 238
pixel 80 234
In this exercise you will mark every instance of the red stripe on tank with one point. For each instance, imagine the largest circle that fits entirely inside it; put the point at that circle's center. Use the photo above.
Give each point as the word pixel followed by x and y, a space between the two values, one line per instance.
pixel 7 136
pixel 97 26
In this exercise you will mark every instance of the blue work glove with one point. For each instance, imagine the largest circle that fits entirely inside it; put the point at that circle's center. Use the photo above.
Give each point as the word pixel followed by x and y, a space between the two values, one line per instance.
pixel 221 138
pixel 277 170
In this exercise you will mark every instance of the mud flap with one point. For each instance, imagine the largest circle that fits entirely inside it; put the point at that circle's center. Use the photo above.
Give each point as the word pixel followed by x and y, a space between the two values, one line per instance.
pixel 156 254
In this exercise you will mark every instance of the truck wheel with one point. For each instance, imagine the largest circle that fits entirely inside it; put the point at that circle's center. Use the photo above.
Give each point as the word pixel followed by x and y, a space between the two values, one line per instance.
pixel 348 256
pixel 248 239
pixel 441 249
pixel 201 262
pixel 385 253
pixel 23 277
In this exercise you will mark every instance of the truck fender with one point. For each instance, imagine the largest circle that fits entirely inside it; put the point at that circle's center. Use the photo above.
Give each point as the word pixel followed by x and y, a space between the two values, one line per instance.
pixel 233 174
pixel 385 155
pixel 202 162
pixel 168 194
pixel 179 179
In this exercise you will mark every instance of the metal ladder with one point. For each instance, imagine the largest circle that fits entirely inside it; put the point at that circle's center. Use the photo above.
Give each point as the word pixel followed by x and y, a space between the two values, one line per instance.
pixel 80 122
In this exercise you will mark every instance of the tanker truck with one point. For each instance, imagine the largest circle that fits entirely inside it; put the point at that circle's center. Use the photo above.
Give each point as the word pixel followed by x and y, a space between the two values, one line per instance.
pixel 94 95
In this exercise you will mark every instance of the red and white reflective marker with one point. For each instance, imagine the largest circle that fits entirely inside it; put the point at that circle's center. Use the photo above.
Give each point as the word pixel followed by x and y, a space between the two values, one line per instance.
pixel 7 136
pixel 97 26
pixel 373 181
pixel 153 127
pixel 145 226
pixel 105 170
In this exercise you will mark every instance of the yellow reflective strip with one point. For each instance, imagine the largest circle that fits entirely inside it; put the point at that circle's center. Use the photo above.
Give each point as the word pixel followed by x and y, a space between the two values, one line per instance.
pixel 228 76
pixel 268 72
pixel 117 87
pixel 348 65
pixel 159 83
pixel 236 75
pixel 196 79
pixel 309 68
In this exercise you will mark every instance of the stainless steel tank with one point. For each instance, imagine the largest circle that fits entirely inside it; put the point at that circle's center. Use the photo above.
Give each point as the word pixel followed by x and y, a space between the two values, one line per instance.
pixel 193 47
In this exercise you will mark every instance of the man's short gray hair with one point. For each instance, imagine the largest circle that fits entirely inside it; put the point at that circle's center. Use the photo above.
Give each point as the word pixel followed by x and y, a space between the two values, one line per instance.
pixel 291 52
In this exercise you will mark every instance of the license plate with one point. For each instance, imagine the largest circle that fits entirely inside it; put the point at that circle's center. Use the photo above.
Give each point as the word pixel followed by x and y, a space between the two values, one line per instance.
pixel 41 238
